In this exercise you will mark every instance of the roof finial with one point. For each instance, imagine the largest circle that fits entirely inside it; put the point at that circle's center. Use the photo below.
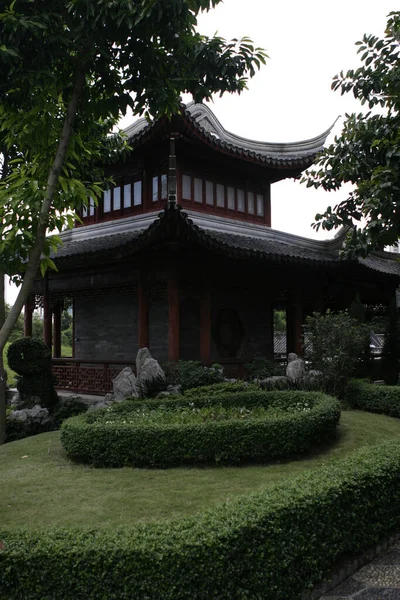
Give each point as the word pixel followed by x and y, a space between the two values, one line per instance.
pixel 172 173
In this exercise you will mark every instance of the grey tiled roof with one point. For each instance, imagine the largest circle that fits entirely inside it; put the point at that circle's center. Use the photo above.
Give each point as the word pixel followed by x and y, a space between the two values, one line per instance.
pixel 204 124
pixel 93 243
pixel 271 248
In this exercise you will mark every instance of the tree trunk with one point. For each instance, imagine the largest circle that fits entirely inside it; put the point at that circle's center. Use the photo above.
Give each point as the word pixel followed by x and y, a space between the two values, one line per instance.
pixel 52 183
pixel 2 372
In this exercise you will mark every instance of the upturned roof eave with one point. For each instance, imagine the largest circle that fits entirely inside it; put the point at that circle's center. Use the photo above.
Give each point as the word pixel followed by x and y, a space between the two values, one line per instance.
pixel 282 156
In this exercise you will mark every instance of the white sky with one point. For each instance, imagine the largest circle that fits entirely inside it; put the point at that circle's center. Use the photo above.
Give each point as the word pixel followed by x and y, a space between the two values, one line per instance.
pixel 290 98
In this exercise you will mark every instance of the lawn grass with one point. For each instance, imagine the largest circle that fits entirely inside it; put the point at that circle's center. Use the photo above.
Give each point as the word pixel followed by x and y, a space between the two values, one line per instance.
pixel 40 487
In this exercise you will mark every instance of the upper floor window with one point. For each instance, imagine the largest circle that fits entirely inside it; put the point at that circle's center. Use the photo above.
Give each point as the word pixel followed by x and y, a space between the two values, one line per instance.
pixel 228 198
pixel 159 187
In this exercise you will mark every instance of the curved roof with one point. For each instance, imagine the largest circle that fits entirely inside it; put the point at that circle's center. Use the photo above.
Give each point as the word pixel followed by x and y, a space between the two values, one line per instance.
pixel 201 122
pixel 115 239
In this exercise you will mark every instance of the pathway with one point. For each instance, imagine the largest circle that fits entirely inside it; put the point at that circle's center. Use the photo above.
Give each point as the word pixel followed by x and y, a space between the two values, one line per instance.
pixel 378 580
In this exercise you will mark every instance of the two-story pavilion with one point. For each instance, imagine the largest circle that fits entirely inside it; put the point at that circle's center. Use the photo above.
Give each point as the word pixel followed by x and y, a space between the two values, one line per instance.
pixel 185 261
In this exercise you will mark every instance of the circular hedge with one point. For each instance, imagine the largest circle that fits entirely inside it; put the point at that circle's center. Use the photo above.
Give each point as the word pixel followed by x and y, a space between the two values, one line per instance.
pixel 140 435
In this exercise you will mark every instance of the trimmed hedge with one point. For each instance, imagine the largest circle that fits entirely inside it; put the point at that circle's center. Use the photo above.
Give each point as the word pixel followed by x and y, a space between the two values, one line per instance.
pixel 112 438
pixel 375 398
pixel 270 545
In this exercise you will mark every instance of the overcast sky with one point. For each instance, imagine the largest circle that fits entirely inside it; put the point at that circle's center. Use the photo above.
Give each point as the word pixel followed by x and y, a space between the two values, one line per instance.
pixel 290 99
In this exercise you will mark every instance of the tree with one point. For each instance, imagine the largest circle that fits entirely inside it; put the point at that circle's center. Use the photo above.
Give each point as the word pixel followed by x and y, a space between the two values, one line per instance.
pixel 336 342
pixel 367 152
pixel 68 69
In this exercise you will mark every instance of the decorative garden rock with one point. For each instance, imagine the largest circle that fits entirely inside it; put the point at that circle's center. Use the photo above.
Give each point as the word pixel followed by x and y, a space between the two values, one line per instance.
pixel 275 382
pixel 150 371
pixel 296 368
pixel 37 414
pixel 124 385
pixel 291 357
pixel 141 357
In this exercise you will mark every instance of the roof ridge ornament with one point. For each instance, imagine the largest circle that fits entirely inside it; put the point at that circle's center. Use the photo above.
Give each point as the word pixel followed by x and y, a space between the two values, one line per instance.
pixel 172 172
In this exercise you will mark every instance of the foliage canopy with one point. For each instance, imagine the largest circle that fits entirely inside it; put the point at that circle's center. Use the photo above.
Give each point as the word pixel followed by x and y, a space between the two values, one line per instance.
pixel 367 152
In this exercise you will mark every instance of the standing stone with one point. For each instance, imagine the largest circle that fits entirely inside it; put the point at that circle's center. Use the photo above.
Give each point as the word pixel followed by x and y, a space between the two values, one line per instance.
pixel 291 357
pixel 151 369
pixel 141 357
pixel 296 369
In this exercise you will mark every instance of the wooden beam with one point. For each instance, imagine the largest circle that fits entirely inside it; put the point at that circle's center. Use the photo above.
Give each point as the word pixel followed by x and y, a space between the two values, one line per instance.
pixel 173 319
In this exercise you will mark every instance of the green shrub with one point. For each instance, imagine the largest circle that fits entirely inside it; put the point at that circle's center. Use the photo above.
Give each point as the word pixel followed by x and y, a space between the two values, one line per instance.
pixel 261 368
pixel 164 437
pixel 70 408
pixel 224 394
pixel 375 398
pixel 66 337
pixel 191 374
pixel 335 342
pixel 270 545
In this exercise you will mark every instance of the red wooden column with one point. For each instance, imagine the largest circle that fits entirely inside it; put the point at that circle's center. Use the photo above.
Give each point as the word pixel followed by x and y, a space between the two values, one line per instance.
pixel 47 314
pixel 57 330
pixel 143 307
pixel 205 324
pixel 173 319
pixel 294 317
pixel 28 315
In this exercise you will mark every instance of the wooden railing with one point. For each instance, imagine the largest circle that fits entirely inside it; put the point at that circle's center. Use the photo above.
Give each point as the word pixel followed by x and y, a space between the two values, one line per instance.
pixel 87 376
pixel 96 376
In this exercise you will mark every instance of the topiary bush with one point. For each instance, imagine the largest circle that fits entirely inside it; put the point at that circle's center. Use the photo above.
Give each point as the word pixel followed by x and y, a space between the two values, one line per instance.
pixel 375 398
pixel 31 359
pixel 148 436
pixel 274 544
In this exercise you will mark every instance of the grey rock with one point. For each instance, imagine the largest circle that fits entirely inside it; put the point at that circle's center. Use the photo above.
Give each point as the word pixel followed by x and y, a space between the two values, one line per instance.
pixel 296 369
pixel 291 357
pixel 314 373
pixel 124 385
pixel 276 382
pixel 150 369
pixel 109 397
pixel 37 414
pixel 174 389
pixel 141 357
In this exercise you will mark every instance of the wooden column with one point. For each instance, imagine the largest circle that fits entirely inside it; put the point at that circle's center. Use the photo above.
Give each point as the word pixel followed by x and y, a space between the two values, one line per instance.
pixel 205 324
pixel 173 319
pixel 393 327
pixel 47 314
pixel 294 317
pixel 57 330
pixel 28 317
pixel 269 350
pixel 143 307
